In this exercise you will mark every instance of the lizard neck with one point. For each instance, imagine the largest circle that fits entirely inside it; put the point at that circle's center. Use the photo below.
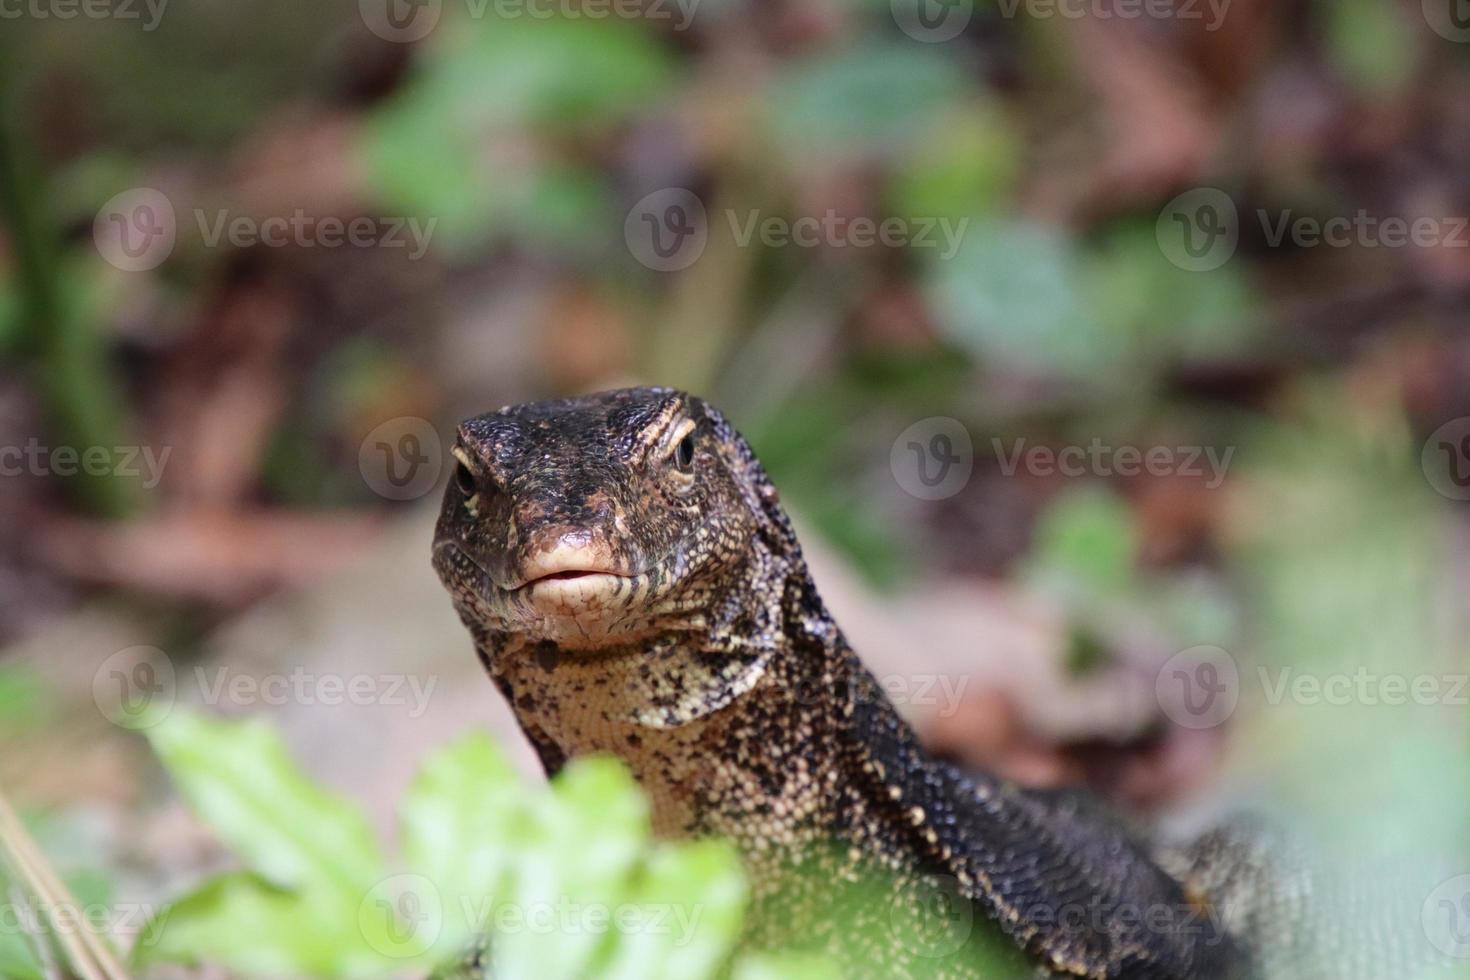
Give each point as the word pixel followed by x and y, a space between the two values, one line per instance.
pixel 763 726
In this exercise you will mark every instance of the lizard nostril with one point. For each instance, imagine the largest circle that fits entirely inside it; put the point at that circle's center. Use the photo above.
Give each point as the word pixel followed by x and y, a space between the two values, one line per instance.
pixel 579 538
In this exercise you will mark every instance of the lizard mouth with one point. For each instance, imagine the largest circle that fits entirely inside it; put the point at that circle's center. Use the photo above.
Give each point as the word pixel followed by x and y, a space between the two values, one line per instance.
pixel 567 575
pixel 572 577
pixel 573 587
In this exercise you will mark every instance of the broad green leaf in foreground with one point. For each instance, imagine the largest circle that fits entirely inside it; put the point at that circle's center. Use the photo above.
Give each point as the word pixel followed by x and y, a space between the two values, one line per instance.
pixel 461 823
pixel 566 882
pixel 684 914
pixel 574 865
pixel 789 966
pixel 240 778
pixel 242 921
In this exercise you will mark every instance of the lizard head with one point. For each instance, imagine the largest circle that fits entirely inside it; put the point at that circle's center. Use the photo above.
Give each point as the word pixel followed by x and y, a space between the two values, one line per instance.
pixel 594 521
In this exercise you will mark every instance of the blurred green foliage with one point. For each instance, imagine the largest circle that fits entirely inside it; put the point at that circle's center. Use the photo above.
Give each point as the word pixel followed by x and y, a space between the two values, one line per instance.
pixel 482 851
pixel 1372 44
pixel 1025 295
pixel 457 143
pixel 868 99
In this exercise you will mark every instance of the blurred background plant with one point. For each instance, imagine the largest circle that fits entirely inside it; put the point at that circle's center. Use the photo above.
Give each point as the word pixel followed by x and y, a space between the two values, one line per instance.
pixel 500 158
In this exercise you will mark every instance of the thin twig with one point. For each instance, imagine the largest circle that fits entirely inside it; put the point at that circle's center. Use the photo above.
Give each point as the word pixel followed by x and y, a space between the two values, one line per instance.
pixel 88 954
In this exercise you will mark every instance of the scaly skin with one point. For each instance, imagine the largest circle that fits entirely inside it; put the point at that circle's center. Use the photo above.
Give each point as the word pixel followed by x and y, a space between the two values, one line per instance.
pixel 633 587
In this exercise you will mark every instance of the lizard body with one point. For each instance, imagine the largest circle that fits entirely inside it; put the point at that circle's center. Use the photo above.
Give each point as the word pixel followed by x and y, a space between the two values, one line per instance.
pixel 633 587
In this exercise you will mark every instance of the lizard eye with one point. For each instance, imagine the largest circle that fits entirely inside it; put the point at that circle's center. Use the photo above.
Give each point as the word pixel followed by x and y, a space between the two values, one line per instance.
pixel 464 479
pixel 684 453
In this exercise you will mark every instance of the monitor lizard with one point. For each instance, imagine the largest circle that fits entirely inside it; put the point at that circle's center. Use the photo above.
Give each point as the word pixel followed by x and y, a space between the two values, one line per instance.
pixel 634 587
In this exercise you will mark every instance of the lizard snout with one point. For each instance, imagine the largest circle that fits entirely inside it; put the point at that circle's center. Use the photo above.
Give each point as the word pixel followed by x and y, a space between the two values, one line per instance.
pixel 567 553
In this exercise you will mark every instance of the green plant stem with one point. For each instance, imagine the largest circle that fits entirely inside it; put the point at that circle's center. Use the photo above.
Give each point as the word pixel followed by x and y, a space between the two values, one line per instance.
pixel 60 344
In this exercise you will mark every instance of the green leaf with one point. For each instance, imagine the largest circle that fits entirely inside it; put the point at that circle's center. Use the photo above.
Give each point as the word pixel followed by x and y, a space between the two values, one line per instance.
pixel 460 824
pixel 1085 542
pixel 557 71
pixel 16 960
pixel 1156 311
pixel 1372 43
pixel 243 922
pixel 969 167
pixel 24 699
pixel 691 902
pixel 863 99
pixel 573 866
pixel 1027 295
pixel 565 881
pixel 1011 295
pixel 786 966
pixel 240 779
pixel 459 142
